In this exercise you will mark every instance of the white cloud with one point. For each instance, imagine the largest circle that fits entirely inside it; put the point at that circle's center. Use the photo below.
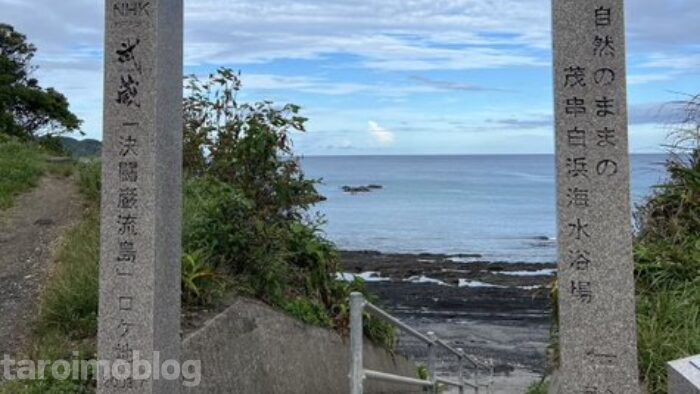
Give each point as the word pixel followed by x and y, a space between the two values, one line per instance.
pixel 387 37
pixel 381 135
pixel 641 79
pixel 673 61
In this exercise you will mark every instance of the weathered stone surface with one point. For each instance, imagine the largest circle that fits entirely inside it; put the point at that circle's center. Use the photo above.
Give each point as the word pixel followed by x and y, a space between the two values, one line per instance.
pixel 141 189
pixel 251 348
pixel 596 283
pixel 684 376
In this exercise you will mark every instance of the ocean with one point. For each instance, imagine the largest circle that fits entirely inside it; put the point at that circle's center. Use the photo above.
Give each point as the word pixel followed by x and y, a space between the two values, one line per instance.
pixel 499 206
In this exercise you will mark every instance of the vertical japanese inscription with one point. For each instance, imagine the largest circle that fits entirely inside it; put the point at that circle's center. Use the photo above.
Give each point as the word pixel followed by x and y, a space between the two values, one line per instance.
pixel 596 285
pixel 141 192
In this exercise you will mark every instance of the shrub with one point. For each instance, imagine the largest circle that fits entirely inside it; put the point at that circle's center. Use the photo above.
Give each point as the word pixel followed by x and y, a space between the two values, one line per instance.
pixel 247 204
pixel 246 145
pixel 667 256
pixel 201 284
pixel 309 312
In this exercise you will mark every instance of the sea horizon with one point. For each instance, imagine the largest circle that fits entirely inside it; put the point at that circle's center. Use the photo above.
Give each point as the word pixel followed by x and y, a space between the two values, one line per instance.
pixel 302 156
pixel 501 207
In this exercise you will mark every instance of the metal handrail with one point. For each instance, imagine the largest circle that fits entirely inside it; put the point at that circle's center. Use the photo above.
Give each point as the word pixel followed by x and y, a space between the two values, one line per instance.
pixel 358 374
pixel 396 322
pixel 388 377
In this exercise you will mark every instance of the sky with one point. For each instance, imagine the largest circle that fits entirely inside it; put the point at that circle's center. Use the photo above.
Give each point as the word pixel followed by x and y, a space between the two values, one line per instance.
pixel 386 76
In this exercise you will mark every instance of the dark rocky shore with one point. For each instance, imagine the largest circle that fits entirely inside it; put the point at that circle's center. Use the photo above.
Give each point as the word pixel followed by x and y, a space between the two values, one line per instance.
pixel 497 312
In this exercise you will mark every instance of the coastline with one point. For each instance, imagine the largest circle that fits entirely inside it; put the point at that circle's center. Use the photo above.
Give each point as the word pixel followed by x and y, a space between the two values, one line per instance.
pixel 497 312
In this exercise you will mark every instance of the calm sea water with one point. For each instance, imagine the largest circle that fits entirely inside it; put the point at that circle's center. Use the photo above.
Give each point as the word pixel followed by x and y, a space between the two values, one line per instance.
pixel 501 207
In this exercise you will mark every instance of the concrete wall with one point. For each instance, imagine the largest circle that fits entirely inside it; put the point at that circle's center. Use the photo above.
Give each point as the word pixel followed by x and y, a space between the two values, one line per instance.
pixel 251 348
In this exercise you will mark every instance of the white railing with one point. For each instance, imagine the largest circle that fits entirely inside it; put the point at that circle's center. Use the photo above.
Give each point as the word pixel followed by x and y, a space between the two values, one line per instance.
pixel 358 374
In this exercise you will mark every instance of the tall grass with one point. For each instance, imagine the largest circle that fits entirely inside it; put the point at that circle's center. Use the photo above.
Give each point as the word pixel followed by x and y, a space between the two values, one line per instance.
pixel 21 166
pixel 67 318
pixel 668 323
pixel 70 300
pixel 667 256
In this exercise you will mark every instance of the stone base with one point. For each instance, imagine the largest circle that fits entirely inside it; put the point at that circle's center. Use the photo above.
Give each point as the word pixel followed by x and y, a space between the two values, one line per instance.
pixel 253 349
pixel 684 376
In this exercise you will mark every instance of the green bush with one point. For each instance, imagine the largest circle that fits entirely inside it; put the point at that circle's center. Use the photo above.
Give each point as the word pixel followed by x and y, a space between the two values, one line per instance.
pixel 247 201
pixel 309 312
pixel 667 256
pixel 201 284
pixel 275 261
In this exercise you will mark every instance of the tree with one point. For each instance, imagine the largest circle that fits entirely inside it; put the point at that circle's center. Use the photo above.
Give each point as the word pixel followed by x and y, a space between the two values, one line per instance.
pixel 246 145
pixel 27 110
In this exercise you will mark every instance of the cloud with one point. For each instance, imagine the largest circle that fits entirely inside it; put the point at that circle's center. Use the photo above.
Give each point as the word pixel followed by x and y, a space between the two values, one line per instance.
pixel 451 85
pixel 655 113
pixel 381 135
pixel 663 24
pixel 303 84
pixel 344 144
pixel 641 79
pixel 523 123
pixel 672 61
pixel 327 87
pixel 380 41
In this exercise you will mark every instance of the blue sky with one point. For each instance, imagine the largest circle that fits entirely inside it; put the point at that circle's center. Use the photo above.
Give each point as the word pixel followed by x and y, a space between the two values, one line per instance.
pixel 389 76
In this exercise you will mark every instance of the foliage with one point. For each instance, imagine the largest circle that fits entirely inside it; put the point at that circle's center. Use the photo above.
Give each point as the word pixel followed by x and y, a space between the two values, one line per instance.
pixel 422 372
pixel 309 312
pixel 47 386
pixel 69 302
pixel 668 323
pixel 245 145
pixel 201 284
pixel 90 180
pixel 541 387
pixel 553 353
pixel 26 109
pixel 79 149
pixel 667 255
pixel 247 202
pixel 285 263
pixel 21 166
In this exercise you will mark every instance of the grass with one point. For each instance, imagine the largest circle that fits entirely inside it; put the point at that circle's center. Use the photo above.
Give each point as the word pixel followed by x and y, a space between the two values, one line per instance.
pixel 69 302
pixel 67 318
pixel 668 323
pixel 541 387
pixel 21 166
pixel 667 257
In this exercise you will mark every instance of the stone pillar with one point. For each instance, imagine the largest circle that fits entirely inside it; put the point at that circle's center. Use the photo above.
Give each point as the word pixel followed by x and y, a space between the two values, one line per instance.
pixel 596 283
pixel 139 315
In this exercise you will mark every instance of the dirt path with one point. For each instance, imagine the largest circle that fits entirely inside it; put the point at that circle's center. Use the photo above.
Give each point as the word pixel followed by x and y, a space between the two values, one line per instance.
pixel 29 232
